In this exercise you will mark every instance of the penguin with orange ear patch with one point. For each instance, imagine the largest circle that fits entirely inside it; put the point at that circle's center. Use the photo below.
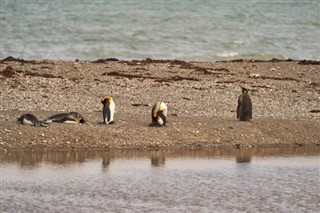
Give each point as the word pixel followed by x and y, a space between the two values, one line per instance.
pixel 67 118
pixel 108 110
pixel 159 114
pixel 244 108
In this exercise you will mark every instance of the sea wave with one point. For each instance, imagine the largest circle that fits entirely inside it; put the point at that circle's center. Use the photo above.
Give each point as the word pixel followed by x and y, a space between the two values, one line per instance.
pixel 62 30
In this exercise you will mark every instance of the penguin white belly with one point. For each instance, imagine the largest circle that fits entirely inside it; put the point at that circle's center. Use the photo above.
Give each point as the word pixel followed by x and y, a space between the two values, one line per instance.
pixel 71 122
pixel 112 108
pixel 160 121
pixel 28 122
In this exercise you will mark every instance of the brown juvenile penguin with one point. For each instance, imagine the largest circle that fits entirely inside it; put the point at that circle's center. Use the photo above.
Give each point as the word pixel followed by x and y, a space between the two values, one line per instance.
pixel 244 109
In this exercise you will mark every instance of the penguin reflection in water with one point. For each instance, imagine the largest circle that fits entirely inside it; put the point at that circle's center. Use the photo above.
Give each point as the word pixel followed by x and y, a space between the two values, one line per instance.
pixel 67 118
pixel 108 110
pixel 244 109
pixel 30 119
pixel 159 114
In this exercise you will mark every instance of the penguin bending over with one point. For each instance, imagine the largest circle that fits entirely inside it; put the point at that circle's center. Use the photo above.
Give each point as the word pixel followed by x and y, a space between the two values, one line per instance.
pixel 29 119
pixel 108 110
pixel 244 109
pixel 67 118
pixel 159 114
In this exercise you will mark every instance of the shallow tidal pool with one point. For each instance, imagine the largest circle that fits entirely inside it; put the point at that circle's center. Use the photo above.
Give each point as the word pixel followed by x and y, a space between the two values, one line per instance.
pixel 252 180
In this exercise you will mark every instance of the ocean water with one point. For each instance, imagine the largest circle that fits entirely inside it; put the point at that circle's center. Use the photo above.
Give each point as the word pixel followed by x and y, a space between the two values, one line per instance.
pixel 200 30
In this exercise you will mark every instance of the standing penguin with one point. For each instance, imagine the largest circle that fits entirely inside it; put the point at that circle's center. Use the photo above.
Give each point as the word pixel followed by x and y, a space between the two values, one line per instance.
pixel 108 110
pixel 29 119
pixel 159 114
pixel 244 109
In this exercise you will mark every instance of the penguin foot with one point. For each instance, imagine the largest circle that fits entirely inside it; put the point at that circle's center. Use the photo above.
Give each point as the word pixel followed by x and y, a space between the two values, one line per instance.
pixel 154 124
pixel 44 124
pixel 111 122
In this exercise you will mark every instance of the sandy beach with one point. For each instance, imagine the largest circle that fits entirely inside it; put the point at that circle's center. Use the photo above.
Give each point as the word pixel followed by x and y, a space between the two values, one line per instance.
pixel 201 99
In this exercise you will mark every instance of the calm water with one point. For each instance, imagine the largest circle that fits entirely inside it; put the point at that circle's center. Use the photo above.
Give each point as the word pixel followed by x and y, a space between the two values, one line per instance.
pixel 204 30
pixel 257 180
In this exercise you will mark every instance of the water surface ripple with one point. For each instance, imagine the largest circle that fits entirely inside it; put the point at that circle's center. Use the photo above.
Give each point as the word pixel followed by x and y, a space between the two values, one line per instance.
pixel 255 180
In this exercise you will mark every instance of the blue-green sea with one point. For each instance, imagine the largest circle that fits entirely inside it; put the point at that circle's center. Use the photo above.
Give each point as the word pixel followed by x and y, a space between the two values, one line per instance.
pixel 199 30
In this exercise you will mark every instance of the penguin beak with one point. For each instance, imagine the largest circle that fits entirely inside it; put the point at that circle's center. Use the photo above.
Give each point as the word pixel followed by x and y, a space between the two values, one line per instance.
pixel 155 114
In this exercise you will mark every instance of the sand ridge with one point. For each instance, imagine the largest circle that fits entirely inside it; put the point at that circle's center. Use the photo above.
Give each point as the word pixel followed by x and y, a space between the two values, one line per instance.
pixel 201 99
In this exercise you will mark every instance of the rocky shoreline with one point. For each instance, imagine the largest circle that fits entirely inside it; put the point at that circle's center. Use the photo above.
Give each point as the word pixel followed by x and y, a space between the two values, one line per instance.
pixel 201 99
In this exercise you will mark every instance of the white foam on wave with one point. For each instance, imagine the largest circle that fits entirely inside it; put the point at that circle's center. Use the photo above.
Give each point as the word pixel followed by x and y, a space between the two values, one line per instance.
pixel 227 55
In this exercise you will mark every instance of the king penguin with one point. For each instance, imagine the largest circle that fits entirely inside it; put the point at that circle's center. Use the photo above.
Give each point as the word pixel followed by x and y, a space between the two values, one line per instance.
pixel 159 114
pixel 68 118
pixel 244 109
pixel 29 119
pixel 108 110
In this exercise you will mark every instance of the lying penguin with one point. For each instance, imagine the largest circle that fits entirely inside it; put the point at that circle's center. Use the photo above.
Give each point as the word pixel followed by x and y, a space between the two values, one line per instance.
pixel 159 114
pixel 30 119
pixel 244 108
pixel 108 110
pixel 67 118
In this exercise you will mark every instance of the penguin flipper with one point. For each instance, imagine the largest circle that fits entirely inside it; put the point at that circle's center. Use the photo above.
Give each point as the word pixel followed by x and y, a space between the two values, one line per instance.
pixel 44 123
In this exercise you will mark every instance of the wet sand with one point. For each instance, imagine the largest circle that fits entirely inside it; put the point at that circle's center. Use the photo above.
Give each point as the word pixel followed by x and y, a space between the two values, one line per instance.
pixel 201 99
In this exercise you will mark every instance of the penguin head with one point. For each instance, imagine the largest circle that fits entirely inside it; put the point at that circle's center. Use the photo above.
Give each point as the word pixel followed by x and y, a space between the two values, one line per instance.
pixel 244 90
pixel 77 117
pixel 106 100
pixel 161 108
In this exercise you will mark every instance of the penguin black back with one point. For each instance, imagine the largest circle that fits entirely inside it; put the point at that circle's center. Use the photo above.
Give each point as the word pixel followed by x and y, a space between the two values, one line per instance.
pixel 29 119
pixel 244 108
